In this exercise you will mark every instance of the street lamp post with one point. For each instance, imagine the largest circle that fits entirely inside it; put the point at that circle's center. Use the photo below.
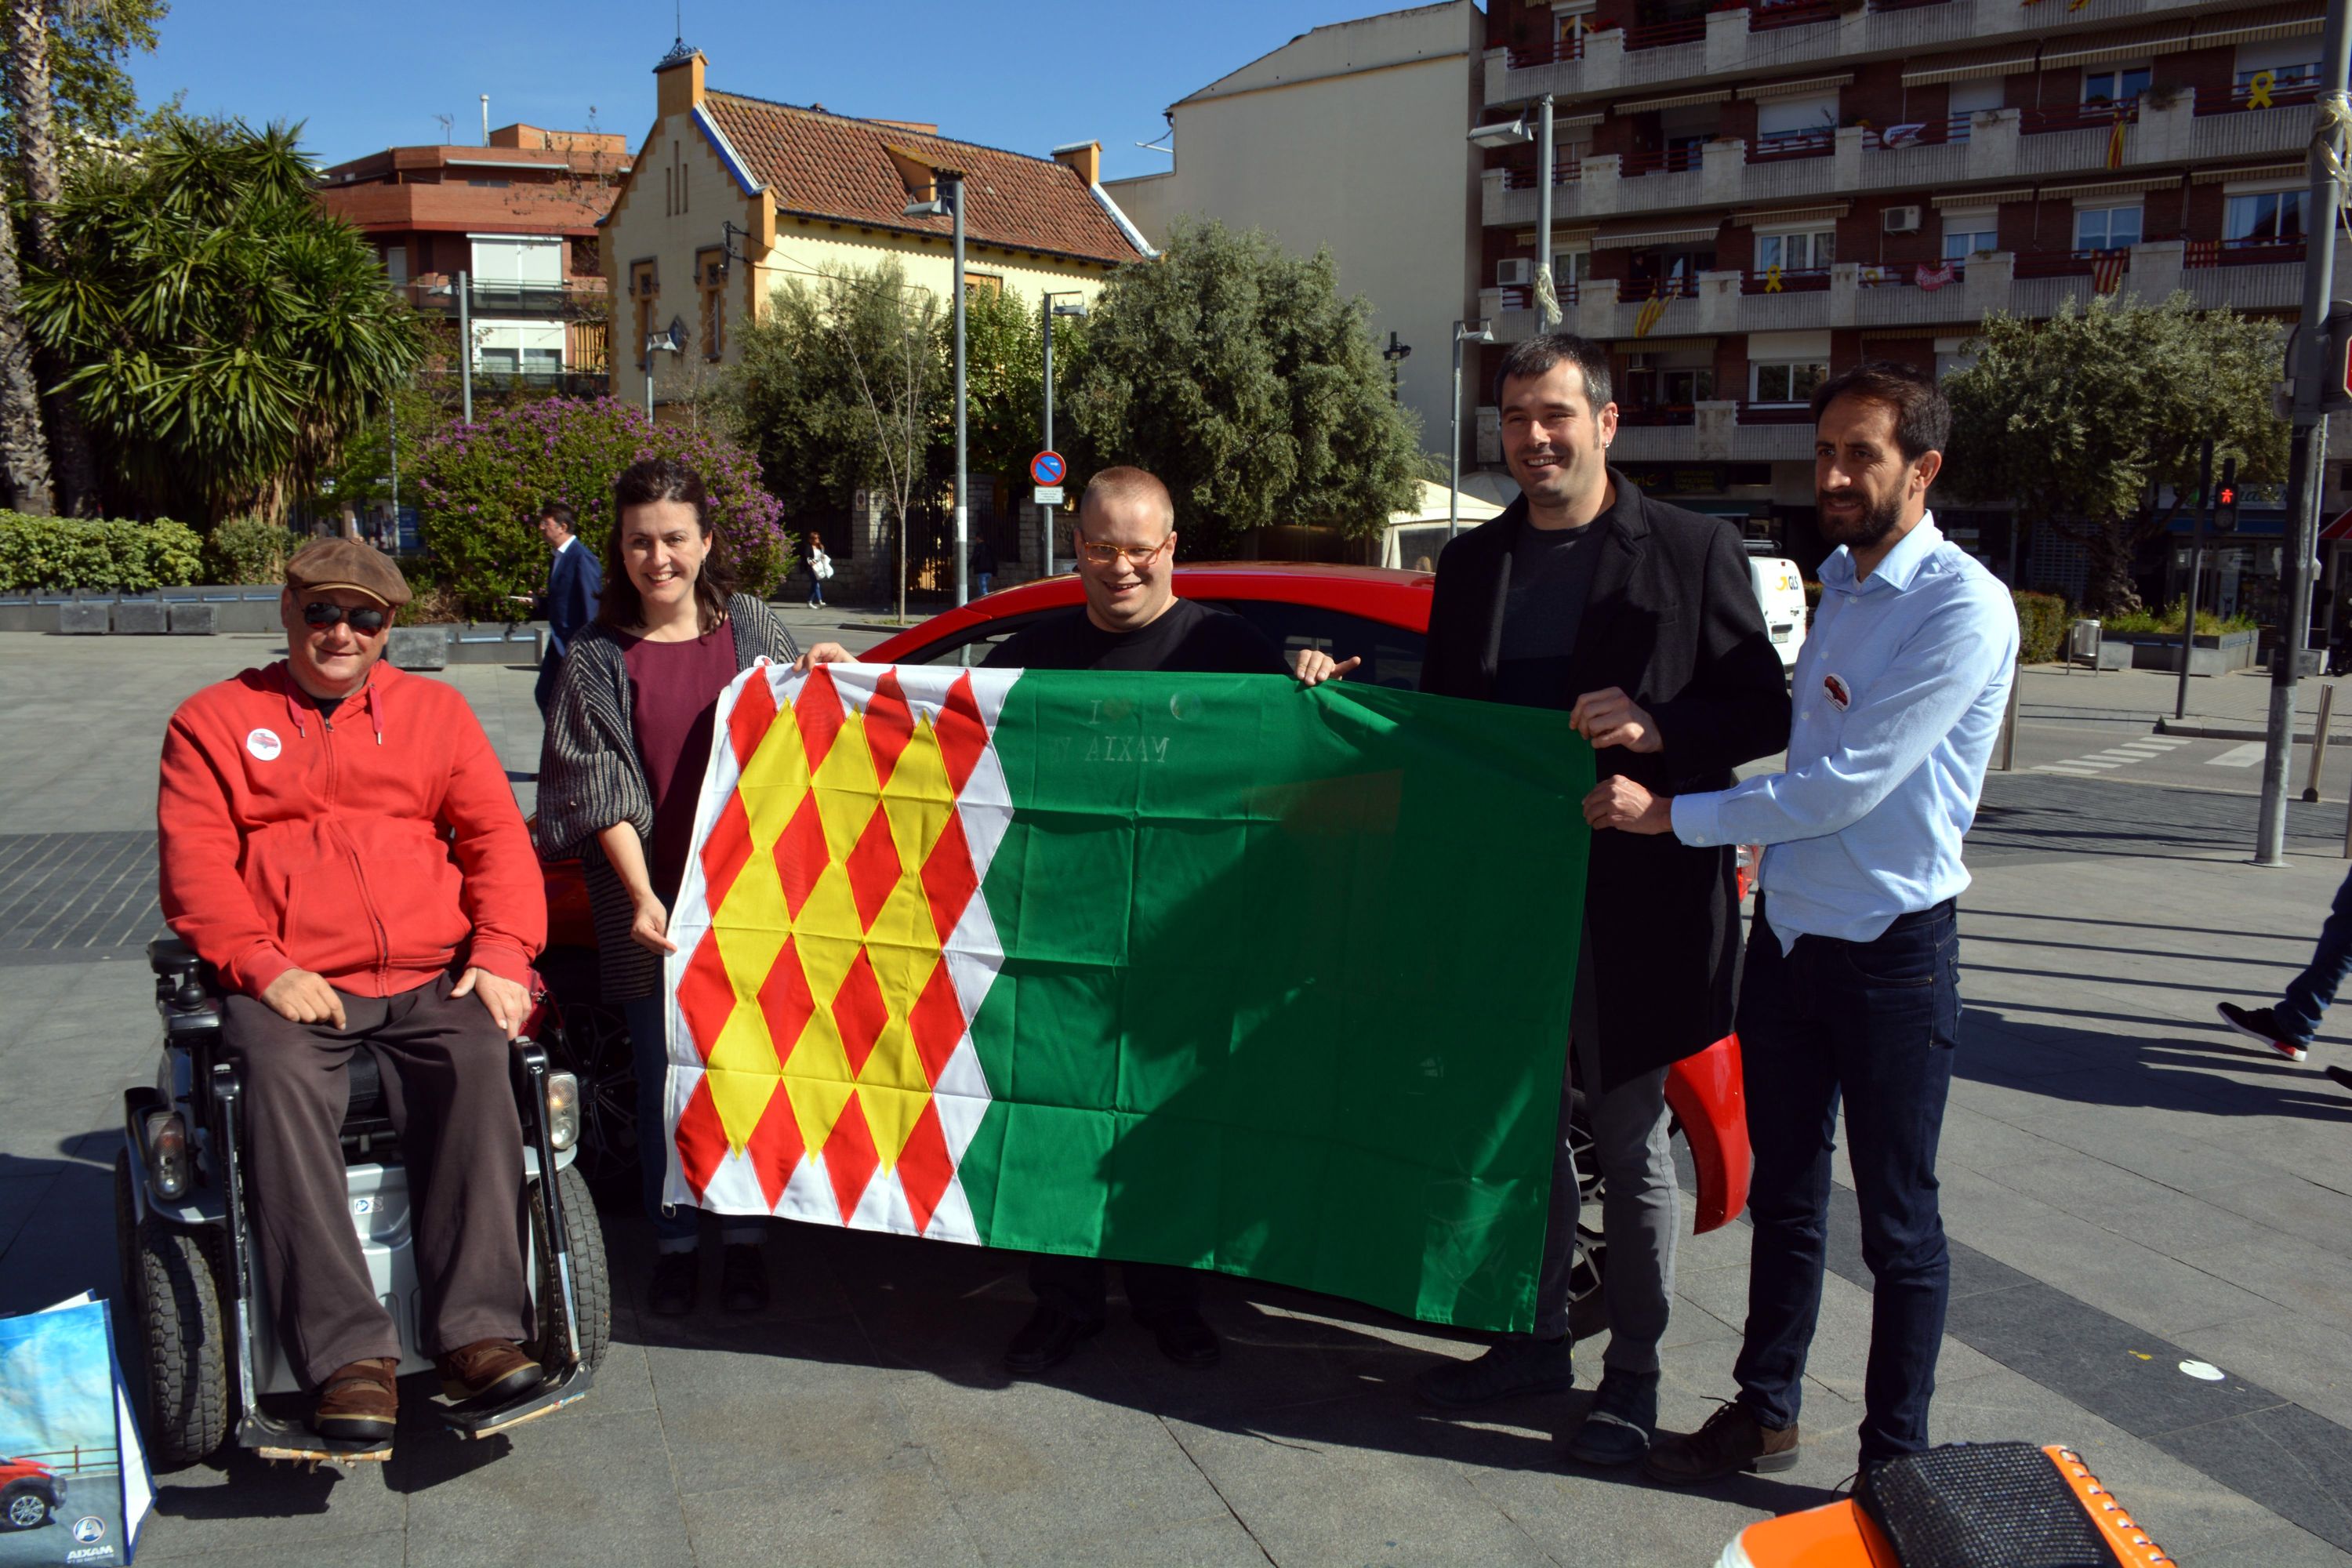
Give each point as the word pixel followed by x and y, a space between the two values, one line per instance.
pixel 1396 354
pixel 1463 333
pixel 465 347
pixel 949 202
pixel 1045 519
pixel 1515 133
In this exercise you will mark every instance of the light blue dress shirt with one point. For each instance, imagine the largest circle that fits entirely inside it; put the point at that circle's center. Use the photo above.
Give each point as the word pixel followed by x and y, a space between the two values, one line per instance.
pixel 1899 694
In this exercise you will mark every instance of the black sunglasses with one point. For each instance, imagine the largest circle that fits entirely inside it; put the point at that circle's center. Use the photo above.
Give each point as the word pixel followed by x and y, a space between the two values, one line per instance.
pixel 364 621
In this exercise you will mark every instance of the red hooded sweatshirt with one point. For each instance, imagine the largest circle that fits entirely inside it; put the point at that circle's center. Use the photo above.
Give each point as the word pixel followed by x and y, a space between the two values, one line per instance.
pixel 376 848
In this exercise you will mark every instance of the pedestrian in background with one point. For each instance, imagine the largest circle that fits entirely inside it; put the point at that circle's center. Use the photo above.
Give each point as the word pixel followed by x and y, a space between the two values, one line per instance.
pixel 1638 618
pixel 1851 986
pixel 820 567
pixel 574 582
pixel 983 564
pixel 2288 1027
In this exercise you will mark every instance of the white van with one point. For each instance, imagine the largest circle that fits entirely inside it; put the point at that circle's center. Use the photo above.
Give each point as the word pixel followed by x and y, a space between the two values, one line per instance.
pixel 1780 589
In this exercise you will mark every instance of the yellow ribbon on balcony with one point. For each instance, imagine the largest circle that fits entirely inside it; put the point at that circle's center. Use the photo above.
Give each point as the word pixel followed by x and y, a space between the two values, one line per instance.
pixel 2258 90
pixel 1772 279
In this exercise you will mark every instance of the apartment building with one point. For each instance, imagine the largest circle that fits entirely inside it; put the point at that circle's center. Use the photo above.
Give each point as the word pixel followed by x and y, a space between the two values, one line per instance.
pixel 1350 137
pixel 1750 195
pixel 517 216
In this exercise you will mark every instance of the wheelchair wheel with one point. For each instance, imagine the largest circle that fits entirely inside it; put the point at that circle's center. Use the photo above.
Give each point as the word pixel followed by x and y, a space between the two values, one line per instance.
pixel 591 1287
pixel 178 1327
pixel 592 1044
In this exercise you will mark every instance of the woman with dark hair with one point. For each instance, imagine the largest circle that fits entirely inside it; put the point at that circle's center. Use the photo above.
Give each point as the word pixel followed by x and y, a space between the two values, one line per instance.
pixel 627 741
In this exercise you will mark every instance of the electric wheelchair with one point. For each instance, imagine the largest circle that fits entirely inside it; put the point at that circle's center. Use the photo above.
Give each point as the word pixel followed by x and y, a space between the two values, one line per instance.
pixel 191 1276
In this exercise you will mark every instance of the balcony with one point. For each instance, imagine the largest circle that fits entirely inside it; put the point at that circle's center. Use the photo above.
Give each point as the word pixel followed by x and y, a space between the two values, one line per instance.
pixel 2245 276
pixel 436 294
pixel 1996 145
pixel 1785 38
pixel 1718 432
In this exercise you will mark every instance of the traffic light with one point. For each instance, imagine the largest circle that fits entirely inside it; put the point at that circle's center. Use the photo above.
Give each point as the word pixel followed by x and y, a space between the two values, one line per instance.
pixel 2225 499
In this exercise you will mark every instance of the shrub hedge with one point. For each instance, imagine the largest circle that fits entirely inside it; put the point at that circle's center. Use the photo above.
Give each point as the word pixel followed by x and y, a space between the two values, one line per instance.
pixel 249 549
pixel 2040 626
pixel 481 485
pixel 60 555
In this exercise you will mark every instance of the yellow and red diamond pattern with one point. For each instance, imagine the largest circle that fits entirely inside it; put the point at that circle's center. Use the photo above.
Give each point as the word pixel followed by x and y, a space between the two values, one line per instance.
pixel 820 999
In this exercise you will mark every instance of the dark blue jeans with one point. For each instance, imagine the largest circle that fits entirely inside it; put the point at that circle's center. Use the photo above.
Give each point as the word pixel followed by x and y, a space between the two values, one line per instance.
pixel 2309 995
pixel 676 1228
pixel 1874 1024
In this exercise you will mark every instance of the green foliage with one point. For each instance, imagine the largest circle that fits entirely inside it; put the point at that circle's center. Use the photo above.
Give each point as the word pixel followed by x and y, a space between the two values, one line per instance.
pixel 1004 381
pixel 92 97
pixel 2144 622
pixel 249 549
pixel 363 472
pixel 479 487
pixel 226 332
pixel 58 554
pixel 1241 377
pixel 2042 621
pixel 2081 419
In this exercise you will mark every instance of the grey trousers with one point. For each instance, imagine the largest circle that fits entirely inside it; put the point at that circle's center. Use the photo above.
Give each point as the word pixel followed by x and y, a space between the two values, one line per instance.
pixel 1640 1214
pixel 446 1092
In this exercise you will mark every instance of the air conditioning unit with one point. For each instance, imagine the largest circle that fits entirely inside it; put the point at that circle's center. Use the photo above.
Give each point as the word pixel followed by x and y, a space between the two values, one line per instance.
pixel 1900 220
pixel 1515 272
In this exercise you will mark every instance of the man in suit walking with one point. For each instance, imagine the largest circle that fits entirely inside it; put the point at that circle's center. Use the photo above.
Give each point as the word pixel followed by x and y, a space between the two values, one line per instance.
pixel 574 583
pixel 1639 619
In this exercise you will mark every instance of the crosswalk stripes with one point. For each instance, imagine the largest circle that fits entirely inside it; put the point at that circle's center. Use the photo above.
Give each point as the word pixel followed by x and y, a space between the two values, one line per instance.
pixel 2117 756
pixel 2244 756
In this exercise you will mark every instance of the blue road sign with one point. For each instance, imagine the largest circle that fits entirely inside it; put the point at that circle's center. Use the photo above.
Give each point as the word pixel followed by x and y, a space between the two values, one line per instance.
pixel 1047 468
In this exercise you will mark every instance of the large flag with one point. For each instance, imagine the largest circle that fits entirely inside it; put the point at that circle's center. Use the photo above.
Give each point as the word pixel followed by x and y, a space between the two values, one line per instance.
pixel 1187 969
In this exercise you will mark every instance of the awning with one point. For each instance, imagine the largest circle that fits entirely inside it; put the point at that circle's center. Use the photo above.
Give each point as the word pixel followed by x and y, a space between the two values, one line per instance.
pixel 1993 62
pixel 1965 199
pixel 1819 214
pixel 2109 188
pixel 2259 171
pixel 2262 28
pixel 2136 45
pixel 1678 100
pixel 1652 236
pixel 1798 89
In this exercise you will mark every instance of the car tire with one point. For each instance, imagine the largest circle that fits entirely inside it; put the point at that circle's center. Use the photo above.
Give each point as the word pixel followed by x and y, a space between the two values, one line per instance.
pixel 591 1283
pixel 173 1286
pixel 22 1506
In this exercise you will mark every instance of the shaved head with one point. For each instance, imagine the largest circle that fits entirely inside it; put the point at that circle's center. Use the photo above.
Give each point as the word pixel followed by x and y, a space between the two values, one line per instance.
pixel 1125 490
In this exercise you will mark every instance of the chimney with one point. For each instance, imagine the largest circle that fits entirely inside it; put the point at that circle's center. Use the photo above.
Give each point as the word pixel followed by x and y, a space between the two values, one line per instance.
pixel 677 79
pixel 486 119
pixel 1086 157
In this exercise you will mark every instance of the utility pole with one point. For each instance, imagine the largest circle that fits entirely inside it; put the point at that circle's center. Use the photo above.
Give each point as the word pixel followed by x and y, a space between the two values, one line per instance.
pixel 1463 333
pixel 1046 513
pixel 466 347
pixel 2196 565
pixel 1546 291
pixel 954 183
pixel 2310 440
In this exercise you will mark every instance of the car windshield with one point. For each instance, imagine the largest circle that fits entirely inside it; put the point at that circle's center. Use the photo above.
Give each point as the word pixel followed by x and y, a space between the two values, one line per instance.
pixel 1392 655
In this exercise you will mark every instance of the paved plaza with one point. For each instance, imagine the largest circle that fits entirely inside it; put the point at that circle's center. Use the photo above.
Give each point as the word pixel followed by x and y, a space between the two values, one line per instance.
pixel 2127 1186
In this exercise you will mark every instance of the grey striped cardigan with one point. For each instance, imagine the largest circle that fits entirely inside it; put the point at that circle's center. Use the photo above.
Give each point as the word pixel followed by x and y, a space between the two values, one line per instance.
pixel 590 777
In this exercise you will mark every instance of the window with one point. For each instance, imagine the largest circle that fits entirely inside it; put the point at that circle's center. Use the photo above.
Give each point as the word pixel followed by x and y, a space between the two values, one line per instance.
pixel 502 184
pixel 1970 98
pixel 1965 233
pixel 1570 271
pixel 2290 62
pixel 644 288
pixel 1785 380
pixel 2115 85
pixel 543 361
pixel 2105 228
pixel 506 362
pixel 976 283
pixel 1814 114
pixel 2267 217
pixel 1801 252
pixel 395 265
pixel 711 276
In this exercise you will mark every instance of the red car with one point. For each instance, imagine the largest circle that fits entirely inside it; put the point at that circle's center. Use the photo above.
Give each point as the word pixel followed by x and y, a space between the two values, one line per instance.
pixel 30 1492
pixel 1372 613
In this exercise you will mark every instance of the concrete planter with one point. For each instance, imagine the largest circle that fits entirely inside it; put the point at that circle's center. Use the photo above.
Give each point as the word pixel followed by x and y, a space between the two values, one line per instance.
pixel 442 644
pixel 2208 655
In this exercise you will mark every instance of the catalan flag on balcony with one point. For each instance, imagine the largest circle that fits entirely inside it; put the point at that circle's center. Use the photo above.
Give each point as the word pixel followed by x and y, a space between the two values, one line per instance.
pixel 2116 141
pixel 1193 970
pixel 1651 309
pixel 2108 269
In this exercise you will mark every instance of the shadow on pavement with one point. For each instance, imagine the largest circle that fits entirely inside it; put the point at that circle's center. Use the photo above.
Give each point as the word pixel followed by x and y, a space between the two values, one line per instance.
pixel 2164 1069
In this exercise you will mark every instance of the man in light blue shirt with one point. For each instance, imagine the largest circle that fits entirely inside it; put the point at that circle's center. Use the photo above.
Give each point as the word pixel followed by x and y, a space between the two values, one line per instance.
pixel 1852 987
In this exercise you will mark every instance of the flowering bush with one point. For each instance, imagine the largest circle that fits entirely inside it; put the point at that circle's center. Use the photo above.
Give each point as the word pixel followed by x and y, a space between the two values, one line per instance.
pixel 483 483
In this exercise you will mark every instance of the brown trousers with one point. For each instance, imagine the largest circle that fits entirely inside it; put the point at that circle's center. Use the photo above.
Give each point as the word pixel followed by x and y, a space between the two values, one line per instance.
pixel 447 1092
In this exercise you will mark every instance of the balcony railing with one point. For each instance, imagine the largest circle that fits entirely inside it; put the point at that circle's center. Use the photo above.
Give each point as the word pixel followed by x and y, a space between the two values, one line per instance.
pixel 1767 14
pixel 2276 95
pixel 1564 171
pixel 2070 263
pixel 1775 413
pixel 440 297
pixel 2242 252
pixel 1659 414
pixel 1918 133
pixel 2078 117
pixel 1556 52
pixel 1683 286
pixel 1822 144
pixel 1658 35
pixel 1661 160
pixel 1778 281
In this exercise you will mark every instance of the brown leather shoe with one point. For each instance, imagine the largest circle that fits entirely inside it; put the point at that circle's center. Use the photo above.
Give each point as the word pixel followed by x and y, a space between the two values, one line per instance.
pixel 488 1369
pixel 1731 1441
pixel 359 1402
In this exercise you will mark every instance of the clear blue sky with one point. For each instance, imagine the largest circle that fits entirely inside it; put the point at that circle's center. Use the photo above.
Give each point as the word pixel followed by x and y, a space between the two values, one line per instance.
pixel 1026 77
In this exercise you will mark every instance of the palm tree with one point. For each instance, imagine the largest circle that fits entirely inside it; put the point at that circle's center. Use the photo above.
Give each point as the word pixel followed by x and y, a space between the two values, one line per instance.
pixel 225 333
pixel 23 449
pixel 38 153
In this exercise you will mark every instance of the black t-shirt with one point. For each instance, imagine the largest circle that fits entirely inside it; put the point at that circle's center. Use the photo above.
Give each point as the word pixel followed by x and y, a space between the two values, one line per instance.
pixel 1188 637
pixel 1551 577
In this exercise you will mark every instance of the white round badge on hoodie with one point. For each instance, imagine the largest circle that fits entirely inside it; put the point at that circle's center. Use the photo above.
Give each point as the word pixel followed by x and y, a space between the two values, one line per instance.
pixel 264 744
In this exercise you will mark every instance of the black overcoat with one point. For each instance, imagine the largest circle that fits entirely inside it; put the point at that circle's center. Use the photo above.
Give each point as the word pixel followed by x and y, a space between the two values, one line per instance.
pixel 1673 620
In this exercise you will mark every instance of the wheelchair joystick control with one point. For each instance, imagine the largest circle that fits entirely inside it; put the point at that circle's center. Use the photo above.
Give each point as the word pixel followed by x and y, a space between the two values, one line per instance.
pixel 190 994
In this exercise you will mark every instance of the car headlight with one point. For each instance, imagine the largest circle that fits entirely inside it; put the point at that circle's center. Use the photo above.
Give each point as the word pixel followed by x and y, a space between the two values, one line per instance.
pixel 167 1155
pixel 563 1110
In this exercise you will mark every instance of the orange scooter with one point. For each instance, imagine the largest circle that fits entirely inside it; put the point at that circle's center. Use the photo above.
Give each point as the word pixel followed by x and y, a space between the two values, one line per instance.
pixel 1966 1505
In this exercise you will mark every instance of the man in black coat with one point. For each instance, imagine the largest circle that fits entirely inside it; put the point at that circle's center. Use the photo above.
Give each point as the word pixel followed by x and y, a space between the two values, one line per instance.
pixel 1640 619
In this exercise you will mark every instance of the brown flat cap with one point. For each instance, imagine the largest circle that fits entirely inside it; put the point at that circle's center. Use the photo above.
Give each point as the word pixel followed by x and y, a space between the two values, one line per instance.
pixel 326 564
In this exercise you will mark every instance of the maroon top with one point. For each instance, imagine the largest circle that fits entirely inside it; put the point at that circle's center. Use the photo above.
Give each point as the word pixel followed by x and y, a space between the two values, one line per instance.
pixel 674 690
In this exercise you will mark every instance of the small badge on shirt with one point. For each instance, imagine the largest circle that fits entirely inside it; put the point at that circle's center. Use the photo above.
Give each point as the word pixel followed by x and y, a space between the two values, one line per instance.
pixel 1840 698
pixel 264 744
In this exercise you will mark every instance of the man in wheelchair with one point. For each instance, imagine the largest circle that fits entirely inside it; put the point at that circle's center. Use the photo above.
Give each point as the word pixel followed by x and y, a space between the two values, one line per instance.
pixel 341 844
